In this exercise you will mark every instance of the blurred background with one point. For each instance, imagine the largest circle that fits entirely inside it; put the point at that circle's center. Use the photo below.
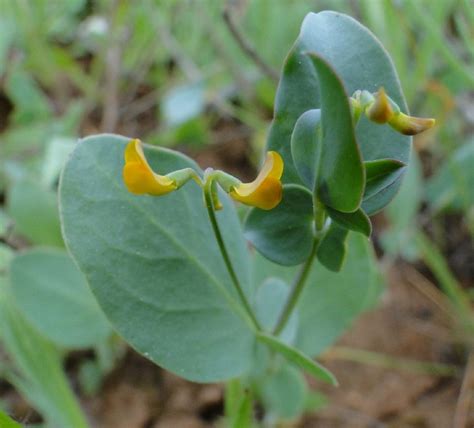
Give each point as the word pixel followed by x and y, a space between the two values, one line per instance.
pixel 200 76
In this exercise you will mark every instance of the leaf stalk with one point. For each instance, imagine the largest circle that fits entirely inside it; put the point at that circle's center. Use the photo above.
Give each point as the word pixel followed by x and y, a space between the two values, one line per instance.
pixel 210 199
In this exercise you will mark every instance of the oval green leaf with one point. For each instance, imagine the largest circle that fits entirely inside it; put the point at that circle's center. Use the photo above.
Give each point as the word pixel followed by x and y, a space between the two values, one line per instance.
pixel 284 234
pixel 34 211
pixel 154 265
pixel 284 392
pixel 381 174
pixel 304 146
pixel 53 296
pixel 361 62
pixel 332 300
pixel 356 221
pixel 340 177
pixel 378 168
pixel 332 249
pixel 271 297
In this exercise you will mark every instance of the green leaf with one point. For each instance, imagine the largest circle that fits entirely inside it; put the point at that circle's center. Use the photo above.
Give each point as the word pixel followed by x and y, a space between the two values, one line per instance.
pixel 7 422
pixel 57 152
pixel 340 175
pixel 382 173
pixel 37 373
pixel 53 296
pixel 35 214
pixel 6 254
pixel 361 62
pixel 378 168
pixel 304 144
pixel 296 357
pixel 332 249
pixel 4 223
pixel 30 101
pixel 356 221
pixel 331 301
pixel 153 263
pixel 271 297
pixel 283 234
pixel 284 392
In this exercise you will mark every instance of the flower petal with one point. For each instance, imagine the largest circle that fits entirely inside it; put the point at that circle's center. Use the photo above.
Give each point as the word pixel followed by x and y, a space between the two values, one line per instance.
pixel 380 111
pixel 410 125
pixel 138 175
pixel 265 192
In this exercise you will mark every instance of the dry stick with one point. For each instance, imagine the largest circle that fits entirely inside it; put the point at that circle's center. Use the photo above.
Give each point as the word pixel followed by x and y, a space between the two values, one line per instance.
pixel 223 52
pixel 363 356
pixel 185 63
pixel 140 105
pixel 246 47
pixel 111 99
pixel 113 54
pixel 465 397
pixel 429 290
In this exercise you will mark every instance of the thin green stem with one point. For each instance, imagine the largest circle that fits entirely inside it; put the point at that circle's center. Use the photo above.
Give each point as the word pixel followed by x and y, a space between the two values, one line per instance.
pixel 296 289
pixel 209 200
pixel 300 279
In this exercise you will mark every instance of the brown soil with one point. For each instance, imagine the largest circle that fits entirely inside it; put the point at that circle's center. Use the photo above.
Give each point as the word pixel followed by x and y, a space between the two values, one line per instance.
pixel 405 325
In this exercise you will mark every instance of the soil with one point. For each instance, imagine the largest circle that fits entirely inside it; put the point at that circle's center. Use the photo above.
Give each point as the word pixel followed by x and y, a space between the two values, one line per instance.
pixel 406 325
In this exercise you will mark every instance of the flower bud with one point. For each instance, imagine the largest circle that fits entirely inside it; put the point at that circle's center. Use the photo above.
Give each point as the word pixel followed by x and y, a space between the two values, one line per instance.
pixel 380 111
pixel 410 125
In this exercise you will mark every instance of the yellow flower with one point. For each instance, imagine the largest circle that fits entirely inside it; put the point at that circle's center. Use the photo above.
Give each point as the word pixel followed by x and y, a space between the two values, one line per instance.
pixel 138 175
pixel 380 108
pixel 265 192
pixel 410 125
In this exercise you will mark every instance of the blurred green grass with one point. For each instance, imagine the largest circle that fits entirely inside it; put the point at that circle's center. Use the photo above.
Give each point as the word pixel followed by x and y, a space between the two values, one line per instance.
pixel 171 73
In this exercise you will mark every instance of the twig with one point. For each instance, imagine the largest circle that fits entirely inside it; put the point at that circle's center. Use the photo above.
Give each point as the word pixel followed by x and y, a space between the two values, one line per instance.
pixel 185 63
pixel 140 105
pixel 113 54
pixel 246 46
pixel 111 102
pixel 221 49
pixel 390 362
pixel 465 397
pixel 429 290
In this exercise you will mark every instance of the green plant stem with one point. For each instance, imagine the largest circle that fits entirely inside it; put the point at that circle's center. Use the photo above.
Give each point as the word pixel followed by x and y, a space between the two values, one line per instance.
pixel 209 201
pixel 296 289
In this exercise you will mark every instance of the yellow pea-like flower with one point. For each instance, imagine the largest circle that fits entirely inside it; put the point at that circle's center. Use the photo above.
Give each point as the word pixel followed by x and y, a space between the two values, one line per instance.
pixel 265 192
pixel 138 175
pixel 410 125
pixel 381 109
